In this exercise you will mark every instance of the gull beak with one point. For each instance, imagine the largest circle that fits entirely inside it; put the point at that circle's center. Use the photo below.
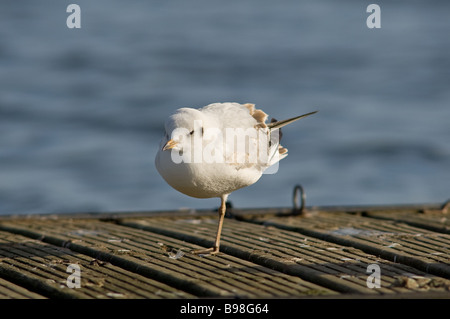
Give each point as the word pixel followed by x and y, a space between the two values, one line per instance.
pixel 169 145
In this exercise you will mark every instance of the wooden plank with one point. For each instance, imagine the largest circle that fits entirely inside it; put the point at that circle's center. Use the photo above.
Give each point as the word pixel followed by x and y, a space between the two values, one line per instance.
pixel 166 259
pixel 9 290
pixel 395 241
pixel 432 217
pixel 340 268
pixel 435 220
pixel 266 253
pixel 43 268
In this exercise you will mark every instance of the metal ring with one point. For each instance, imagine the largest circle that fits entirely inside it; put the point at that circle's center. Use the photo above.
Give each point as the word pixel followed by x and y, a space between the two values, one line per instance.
pixel 299 208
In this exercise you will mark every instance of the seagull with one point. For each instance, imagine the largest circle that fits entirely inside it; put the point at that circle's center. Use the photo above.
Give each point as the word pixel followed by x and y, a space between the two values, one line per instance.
pixel 214 150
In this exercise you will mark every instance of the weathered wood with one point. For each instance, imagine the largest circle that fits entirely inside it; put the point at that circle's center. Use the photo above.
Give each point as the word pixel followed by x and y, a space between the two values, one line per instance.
pixel 264 254
pixel 155 256
pixel 43 268
pixel 398 242
pixel 334 266
pixel 431 219
pixel 9 290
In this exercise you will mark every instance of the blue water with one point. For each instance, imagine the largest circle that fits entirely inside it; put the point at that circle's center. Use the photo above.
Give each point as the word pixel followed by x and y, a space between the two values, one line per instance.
pixel 82 110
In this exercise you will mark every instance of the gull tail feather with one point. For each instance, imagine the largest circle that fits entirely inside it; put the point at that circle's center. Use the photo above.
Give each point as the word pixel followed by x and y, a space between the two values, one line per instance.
pixel 280 124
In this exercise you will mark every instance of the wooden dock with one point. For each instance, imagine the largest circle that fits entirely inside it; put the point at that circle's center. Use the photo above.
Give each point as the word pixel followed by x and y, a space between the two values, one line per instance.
pixel 265 253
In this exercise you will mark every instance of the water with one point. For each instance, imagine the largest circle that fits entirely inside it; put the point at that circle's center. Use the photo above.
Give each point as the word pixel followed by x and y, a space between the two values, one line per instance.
pixel 81 111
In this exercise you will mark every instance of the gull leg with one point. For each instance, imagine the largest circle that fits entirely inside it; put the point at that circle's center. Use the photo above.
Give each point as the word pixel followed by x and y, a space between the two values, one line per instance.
pixel 215 249
pixel 222 210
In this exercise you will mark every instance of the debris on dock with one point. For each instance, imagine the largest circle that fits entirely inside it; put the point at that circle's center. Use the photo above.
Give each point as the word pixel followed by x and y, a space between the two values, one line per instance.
pixel 265 253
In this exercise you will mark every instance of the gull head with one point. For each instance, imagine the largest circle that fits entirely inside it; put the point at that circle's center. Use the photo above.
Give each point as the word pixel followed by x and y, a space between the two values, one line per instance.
pixel 181 128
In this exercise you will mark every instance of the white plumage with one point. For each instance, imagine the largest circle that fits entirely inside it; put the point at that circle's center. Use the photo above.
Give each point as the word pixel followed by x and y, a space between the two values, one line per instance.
pixel 217 149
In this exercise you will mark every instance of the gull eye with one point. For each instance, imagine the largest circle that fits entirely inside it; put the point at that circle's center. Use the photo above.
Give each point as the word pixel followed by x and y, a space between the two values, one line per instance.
pixel 192 132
